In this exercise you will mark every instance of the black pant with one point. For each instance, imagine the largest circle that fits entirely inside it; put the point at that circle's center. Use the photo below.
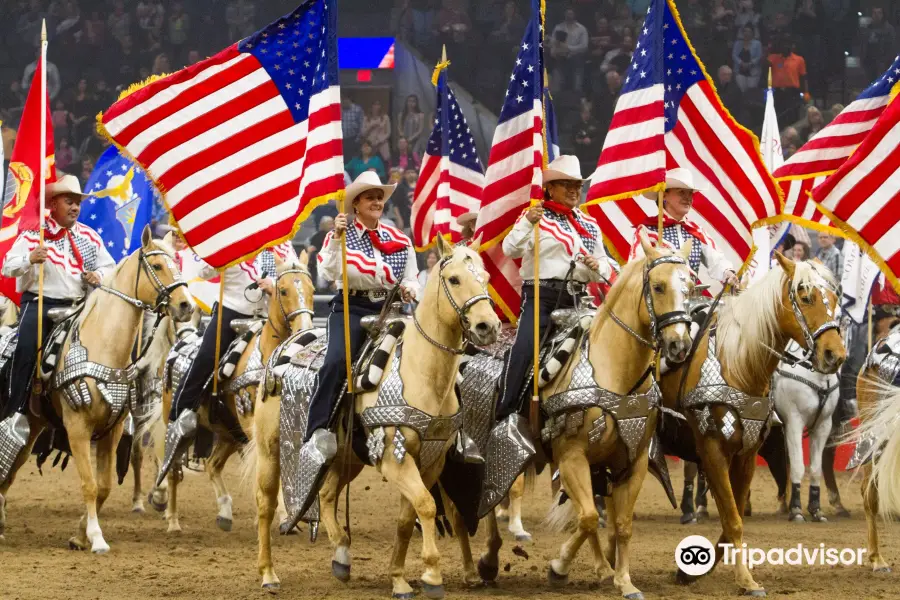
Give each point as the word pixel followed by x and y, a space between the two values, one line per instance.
pixel 521 355
pixel 24 358
pixel 190 391
pixel 333 373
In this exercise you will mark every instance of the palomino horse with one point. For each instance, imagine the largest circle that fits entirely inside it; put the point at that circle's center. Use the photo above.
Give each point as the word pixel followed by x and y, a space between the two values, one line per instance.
pixel 805 399
pixel 94 382
pixel 877 435
pixel 290 310
pixel 608 400
pixel 724 394
pixel 150 430
pixel 9 315
pixel 454 307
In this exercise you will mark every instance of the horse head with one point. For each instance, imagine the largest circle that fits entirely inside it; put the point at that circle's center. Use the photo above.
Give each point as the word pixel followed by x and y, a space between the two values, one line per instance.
pixel 158 282
pixel 291 305
pixel 811 312
pixel 666 287
pixel 459 284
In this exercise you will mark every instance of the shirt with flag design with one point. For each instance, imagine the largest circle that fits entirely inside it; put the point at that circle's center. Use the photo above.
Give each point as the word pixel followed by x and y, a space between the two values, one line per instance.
pixel 246 142
pixel 62 269
pixel 452 176
pixel 669 116
pixel 560 244
pixel 367 268
pixel 675 236
pixel 822 155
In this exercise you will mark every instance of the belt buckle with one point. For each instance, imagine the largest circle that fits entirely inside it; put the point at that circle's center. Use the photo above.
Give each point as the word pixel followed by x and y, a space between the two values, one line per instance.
pixel 376 295
pixel 574 287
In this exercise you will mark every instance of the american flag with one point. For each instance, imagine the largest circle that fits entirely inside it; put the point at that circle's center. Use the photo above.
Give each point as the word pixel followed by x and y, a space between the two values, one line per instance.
pixel 451 177
pixel 247 143
pixel 863 196
pixel 826 152
pixel 669 115
pixel 513 177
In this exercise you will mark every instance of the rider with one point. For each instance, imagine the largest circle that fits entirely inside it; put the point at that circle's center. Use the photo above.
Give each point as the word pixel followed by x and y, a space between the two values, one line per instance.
pixel 73 255
pixel 677 202
pixel 571 256
pixel 378 257
pixel 237 304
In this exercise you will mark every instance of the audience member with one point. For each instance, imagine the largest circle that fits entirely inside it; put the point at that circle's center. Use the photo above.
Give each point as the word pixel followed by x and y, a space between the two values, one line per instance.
pixel 411 124
pixel 879 44
pixel 407 158
pixel 376 129
pixel 747 56
pixel 366 161
pixel 812 124
pixel 830 255
pixel 351 125
pixel 788 80
pixel 568 47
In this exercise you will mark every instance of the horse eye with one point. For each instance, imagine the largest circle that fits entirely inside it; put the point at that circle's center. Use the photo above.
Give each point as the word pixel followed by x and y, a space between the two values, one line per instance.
pixel 806 299
pixel 454 280
pixel 283 292
pixel 658 288
pixel 157 267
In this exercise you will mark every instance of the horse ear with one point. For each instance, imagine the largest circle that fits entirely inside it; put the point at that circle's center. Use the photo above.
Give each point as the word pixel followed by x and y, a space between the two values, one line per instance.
pixel 649 250
pixel 685 251
pixel 787 264
pixel 475 244
pixel 169 238
pixel 146 237
pixel 278 260
pixel 304 257
pixel 443 247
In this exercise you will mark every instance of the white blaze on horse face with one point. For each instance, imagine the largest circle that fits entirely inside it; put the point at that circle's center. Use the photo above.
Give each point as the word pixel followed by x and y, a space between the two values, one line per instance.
pixel 679 287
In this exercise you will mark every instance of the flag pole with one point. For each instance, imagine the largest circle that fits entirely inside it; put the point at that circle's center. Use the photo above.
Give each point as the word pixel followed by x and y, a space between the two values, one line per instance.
pixel 42 186
pixel 215 392
pixel 345 292
pixel 870 324
pixel 659 217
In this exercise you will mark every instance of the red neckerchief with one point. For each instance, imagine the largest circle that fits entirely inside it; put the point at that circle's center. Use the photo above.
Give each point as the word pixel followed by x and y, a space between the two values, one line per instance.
pixel 689 226
pixel 57 235
pixel 384 247
pixel 567 213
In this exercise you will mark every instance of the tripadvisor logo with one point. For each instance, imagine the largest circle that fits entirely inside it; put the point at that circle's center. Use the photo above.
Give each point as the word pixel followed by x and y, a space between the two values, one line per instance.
pixel 695 555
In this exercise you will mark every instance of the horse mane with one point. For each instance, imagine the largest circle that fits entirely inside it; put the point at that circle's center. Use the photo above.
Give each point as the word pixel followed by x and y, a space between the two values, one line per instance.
pixel 159 346
pixel 615 291
pixel 748 323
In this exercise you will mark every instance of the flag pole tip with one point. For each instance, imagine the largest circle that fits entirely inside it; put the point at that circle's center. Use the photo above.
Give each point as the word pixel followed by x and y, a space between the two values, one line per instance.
pixel 444 53
pixel 44 30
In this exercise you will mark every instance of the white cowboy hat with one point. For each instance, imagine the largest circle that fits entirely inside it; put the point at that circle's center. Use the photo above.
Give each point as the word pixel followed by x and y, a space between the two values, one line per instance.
pixel 469 217
pixel 565 168
pixel 67 184
pixel 678 179
pixel 367 180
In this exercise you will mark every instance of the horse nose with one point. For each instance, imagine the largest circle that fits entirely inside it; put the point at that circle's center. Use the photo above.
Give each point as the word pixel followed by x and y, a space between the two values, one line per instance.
pixel 832 360
pixel 185 308
pixel 482 328
pixel 676 351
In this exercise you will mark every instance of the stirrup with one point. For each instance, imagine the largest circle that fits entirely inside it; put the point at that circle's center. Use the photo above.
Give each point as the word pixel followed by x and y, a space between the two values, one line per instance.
pixel 467 449
pixel 179 435
pixel 314 459
pixel 509 450
pixel 14 432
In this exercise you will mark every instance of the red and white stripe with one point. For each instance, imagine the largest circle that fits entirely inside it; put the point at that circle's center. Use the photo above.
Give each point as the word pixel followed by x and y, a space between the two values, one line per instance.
pixel 220 140
pixel 445 191
pixel 513 177
pixel 738 191
pixel 864 193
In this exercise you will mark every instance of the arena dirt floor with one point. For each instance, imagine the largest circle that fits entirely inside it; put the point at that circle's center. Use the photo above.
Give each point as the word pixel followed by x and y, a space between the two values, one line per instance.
pixel 204 563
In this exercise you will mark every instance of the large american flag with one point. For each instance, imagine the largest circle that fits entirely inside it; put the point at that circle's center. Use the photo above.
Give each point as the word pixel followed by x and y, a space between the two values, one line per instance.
pixel 669 115
pixel 451 179
pixel 863 196
pixel 828 150
pixel 513 177
pixel 246 143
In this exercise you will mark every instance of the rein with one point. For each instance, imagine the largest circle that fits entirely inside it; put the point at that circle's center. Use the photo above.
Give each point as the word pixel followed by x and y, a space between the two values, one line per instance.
pixel 289 316
pixel 810 337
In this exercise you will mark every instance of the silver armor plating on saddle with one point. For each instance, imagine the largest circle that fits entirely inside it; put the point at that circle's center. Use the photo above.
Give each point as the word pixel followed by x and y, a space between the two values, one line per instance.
pixel 14 432
pixel 711 389
pixel 251 376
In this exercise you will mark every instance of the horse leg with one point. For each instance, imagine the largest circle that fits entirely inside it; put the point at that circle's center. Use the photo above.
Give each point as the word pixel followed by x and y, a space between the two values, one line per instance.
pixel 687 496
pixel 405 475
pixel 337 477
pixel 575 473
pixel 105 471
pixel 624 496
pixel 741 473
pixel 159 495
pixel 222 451
pixel 774 451
pixel 137 463
pixel 489 562
pixel 470 574
pixel 80 443
pixel 35 430
pixel 834 494
pixel 793 436
pixel 870 503
pixel 268 474
pixel 172 505
pixel 515 510
pixel 817 440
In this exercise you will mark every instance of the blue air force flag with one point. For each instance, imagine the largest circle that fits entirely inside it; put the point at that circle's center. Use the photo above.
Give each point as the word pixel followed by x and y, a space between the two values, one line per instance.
pixel 120 203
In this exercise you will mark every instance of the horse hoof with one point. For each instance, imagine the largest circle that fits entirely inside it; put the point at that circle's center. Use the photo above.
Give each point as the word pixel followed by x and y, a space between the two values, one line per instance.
pixel 683 578
pixel 272 588
pixel 842 512
pixel 488 573
pixel 340 572
pixel 688 519
pixel 403 596
pixel 157 506
pixel 884 569
pixel 223 523
pixel 797 518
pixel 435 592
pixel 100 548
pixel 138 510
pixel 523 537
pixel 75 544
pixel 819 518
pixel 760 593
pixel 555 579
pixel 635 596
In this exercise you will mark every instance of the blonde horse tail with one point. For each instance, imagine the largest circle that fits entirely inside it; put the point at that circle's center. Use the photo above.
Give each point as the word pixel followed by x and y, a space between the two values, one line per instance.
pixel 882 421
pixel 561 517
pixel 248 464
pixel 148 424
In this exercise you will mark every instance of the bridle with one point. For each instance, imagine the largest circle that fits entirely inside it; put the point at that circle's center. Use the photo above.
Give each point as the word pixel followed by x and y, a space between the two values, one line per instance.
pixel 657 322
pixel 163 291
pixel 461 311
pixel 303 310
pixel 810 336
